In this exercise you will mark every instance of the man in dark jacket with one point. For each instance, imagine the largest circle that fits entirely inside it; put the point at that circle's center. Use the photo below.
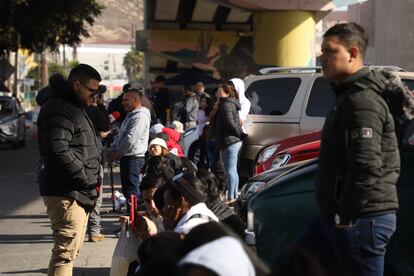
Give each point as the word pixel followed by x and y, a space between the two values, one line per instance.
pixel 359 161
pixel 162 103
pixel 69 167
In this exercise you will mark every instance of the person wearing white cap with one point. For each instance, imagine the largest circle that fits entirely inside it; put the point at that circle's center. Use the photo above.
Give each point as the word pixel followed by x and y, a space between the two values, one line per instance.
pixel 224 256
pixel 212 249
pixel 177 126
pixel 157 128
pixel 158 147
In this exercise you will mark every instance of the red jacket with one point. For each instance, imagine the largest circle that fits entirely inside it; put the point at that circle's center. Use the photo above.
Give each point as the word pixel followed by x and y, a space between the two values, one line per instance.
pixel 173 138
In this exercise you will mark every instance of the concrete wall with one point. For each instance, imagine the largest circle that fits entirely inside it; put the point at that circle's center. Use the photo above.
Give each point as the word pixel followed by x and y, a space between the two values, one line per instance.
pixel 394 39
pixel 389 24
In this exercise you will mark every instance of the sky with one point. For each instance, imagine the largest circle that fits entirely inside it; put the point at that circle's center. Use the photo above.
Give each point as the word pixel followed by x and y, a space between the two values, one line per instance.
pixel 346 8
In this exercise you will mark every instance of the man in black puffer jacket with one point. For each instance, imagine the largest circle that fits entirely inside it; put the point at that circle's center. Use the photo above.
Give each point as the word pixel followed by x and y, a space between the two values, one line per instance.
pixel 69 167
pixel 359 162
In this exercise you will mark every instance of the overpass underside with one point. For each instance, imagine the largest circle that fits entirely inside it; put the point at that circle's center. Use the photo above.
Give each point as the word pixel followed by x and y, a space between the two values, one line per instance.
pixel 230 37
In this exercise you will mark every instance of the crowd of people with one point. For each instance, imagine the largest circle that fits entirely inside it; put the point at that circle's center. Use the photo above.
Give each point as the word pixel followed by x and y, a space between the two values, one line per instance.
pixel 185 226
pixel 143 133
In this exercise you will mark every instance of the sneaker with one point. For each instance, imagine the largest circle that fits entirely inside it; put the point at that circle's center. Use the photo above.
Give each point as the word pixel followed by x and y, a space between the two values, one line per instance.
pixel 96 237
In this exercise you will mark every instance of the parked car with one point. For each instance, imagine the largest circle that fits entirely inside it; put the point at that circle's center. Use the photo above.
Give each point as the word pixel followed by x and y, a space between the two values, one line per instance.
pixel 287 102
pixel 281 211
pixel 257 183
pixel 191 145
pixel 12 122
pixel 287 151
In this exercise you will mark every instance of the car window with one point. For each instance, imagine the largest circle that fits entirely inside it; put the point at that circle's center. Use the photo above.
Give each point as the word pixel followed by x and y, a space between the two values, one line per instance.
pixel 321 98
pixel 5 106
pixel 409 83
pixel 272 96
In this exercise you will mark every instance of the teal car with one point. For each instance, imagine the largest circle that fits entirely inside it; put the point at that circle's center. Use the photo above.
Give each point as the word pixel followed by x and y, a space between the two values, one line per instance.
pixel 279 214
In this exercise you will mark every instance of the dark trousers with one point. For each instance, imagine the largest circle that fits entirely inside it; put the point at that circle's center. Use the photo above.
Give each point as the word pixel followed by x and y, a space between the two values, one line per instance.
pixel 203 162
pixel 359 249
pixel 130 168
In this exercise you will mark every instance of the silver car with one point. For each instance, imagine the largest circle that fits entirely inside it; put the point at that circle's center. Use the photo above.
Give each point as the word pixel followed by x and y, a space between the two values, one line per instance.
pixel 12 122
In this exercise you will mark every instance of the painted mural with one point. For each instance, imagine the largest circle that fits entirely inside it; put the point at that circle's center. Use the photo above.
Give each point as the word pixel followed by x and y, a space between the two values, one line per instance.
pixel 209 51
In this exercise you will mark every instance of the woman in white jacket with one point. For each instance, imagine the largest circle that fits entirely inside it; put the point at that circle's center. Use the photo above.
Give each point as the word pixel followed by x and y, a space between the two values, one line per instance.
pixel 238 85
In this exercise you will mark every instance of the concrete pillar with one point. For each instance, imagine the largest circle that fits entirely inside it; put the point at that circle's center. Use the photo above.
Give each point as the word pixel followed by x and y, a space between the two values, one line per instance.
pixel 284 38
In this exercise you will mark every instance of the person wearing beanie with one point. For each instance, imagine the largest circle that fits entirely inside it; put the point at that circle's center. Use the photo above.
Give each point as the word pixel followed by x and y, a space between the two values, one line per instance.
pixel 184 204
pixel 158 147
pixel 178 126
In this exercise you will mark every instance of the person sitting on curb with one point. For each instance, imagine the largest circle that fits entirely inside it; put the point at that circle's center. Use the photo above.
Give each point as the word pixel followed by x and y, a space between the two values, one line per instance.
pixel 184 204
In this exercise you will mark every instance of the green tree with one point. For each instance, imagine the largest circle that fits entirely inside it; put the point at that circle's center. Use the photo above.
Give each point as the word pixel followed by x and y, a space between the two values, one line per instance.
pixel 46 24
pixel 52 69
pixel 133 62
pixel 72 64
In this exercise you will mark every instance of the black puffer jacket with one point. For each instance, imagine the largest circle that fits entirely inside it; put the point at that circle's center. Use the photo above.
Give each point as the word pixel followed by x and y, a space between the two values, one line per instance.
pixel 67 145
pixel 227 128
pixel 359 161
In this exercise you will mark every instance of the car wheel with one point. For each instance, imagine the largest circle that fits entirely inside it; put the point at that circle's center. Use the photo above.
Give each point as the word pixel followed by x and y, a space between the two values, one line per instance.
pixel 194 152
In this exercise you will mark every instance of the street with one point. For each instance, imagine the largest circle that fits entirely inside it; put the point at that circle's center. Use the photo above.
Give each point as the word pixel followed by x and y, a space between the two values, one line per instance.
pixel 25 233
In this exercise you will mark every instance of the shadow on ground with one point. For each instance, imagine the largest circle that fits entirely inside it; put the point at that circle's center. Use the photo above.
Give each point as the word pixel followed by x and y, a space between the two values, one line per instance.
pixel 90 271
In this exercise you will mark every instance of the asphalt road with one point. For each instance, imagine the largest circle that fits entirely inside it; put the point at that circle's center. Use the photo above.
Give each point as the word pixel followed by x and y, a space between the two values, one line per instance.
pixel 25 234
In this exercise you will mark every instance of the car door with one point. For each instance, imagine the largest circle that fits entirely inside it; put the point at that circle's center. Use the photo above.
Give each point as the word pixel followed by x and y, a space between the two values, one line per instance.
pixel 319 99
pixel 276 102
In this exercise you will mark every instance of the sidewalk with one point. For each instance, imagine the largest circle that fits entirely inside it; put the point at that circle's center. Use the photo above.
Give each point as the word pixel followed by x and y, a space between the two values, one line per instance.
pixel 26 241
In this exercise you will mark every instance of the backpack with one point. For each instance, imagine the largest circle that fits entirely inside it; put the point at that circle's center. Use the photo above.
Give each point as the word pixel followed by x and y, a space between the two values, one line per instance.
pixel 400 101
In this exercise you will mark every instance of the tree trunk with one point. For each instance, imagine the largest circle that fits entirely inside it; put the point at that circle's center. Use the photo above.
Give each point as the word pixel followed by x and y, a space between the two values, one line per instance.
pixel 44 76
pixel 75 53
pixel 16 65
pixel 9 81
pixel 64 56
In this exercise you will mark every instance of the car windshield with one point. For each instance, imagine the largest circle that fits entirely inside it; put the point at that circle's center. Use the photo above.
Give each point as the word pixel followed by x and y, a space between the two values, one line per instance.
pixel 5 106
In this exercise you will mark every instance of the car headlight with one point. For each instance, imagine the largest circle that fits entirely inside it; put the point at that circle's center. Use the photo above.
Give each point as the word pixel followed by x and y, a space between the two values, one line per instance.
pixel 267 153
pixel 9 127
pixel 254 188
pixel 280 160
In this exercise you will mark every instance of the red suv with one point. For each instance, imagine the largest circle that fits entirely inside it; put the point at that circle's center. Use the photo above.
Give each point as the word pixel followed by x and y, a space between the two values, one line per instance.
pixel 287 151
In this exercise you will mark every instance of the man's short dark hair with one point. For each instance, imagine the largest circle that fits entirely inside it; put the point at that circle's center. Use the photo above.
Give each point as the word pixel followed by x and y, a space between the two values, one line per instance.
pixel 160 78
pixel 126 87
pixel 351 34
pixel 134 90
pixel 188 88
pixel 84 73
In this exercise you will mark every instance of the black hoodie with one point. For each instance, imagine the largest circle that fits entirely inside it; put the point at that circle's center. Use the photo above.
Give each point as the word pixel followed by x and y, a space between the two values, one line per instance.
pixel 67 145
pixel 227 128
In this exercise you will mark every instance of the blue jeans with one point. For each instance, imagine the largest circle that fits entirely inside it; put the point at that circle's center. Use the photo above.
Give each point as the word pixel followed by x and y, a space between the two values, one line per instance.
pixel 359 249
pixel 130 169
pixel 229 157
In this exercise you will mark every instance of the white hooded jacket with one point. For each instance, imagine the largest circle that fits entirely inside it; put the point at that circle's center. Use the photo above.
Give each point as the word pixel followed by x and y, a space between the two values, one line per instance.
pixel 244 102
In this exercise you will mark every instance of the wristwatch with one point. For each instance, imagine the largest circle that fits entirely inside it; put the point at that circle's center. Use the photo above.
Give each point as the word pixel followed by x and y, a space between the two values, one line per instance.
pixel 340 221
